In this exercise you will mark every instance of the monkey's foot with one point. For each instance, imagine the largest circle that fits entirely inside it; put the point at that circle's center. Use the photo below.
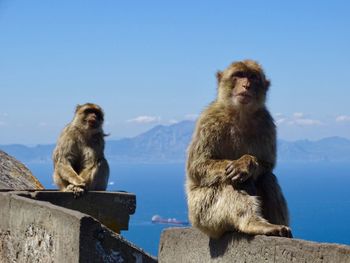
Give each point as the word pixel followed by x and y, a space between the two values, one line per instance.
pixel 77 190
pixel 280 231
pixel 257 227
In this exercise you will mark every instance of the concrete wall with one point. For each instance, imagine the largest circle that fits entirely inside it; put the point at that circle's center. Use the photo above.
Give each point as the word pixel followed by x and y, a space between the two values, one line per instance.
pixel 37 231
pixel 44 226
pixel 190 245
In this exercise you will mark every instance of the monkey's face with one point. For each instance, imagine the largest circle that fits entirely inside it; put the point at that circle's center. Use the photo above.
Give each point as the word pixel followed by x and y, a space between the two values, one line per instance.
pixel 243 85
pixel 89 116
pixel 246 87
pixel 93 118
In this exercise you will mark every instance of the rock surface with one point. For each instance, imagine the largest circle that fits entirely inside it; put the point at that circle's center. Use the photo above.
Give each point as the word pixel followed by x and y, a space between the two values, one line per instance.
pixel 14 175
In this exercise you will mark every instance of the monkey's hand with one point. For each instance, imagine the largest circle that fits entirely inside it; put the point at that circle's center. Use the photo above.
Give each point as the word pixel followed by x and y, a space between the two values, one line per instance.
pixel 238 171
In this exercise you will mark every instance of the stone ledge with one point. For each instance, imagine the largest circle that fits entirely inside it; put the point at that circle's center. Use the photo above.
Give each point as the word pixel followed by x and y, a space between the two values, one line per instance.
pixel 190 245
pixel 113 209
pixel 38 231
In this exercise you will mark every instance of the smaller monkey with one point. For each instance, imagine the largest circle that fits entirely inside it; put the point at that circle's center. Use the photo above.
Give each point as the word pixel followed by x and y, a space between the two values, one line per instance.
pixel 79 162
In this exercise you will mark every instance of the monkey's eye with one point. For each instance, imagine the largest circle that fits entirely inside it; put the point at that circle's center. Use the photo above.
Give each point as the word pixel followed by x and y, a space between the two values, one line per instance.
pixel 88 111
pixel 238 74
pixel 99 115
pixel 254 77
pixel 96 112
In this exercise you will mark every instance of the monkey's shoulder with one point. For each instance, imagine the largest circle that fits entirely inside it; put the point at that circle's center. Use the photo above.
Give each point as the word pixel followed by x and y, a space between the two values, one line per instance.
pixel 214 117
pixel 262 121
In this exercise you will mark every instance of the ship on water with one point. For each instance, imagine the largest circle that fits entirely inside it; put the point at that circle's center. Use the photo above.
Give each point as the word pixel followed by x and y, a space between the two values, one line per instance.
pixel 157 219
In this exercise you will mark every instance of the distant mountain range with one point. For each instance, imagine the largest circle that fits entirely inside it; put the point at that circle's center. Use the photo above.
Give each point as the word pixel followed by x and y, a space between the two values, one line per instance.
pixel 164 144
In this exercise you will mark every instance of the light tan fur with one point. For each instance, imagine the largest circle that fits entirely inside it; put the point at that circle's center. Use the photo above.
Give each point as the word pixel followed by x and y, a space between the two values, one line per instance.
pixel 79 162
pixel 230 184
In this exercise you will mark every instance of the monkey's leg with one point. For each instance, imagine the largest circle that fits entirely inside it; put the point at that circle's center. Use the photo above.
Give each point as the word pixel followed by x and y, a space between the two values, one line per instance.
pixel 256 225
pixel 226 209
pixel 245 215
pixel 96 176
pixel 274 206
pixel 101 175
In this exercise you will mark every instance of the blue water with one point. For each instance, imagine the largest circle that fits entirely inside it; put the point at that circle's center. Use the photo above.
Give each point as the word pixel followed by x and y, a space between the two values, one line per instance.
pixel 317 193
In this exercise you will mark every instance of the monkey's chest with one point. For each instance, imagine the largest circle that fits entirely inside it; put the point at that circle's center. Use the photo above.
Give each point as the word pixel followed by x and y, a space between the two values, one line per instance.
pixel 236 144
pixel 88 156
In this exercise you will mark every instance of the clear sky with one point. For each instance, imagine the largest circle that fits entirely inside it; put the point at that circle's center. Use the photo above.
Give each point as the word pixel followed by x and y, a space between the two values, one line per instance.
pixel 154 62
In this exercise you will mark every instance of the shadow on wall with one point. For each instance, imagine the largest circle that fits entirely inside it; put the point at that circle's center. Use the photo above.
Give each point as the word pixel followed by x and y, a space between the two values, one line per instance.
pixel 219 246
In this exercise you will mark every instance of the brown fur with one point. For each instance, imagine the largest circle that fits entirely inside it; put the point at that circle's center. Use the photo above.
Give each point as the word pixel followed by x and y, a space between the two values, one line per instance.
pixel 230 184
pixel 79 162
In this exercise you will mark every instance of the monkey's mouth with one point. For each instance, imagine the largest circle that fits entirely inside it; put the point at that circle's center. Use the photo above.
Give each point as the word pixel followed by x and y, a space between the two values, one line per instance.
pixel 92 123
pixel 244 98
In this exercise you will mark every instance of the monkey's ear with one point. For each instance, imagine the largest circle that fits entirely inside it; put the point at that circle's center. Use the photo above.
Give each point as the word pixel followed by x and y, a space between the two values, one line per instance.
pixel 267 84
pixel 219 76
pixel 77 108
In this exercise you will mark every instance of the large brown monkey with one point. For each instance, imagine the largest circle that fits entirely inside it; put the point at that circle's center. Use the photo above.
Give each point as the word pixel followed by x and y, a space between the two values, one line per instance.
pixel 79 162
pixel 230 184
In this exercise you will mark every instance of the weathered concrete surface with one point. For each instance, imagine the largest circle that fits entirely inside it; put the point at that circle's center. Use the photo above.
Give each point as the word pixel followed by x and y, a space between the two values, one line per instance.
pixel 14 175
pixel 113 209
pixel 38 231
pixel 190 245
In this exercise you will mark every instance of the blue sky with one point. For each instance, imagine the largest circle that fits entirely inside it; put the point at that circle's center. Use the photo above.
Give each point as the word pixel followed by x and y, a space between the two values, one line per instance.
pixel 154 62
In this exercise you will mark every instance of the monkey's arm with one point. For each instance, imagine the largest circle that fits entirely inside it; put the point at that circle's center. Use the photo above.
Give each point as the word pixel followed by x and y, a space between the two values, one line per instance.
pixel 87 170
pixel 207 172
pixel 253 166
pixel 65 157
pixel 66 172
pixel 267 159
pixel 203 168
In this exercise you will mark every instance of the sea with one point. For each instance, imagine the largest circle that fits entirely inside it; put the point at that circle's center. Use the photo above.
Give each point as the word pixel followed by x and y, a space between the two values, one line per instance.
pixel 317 194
